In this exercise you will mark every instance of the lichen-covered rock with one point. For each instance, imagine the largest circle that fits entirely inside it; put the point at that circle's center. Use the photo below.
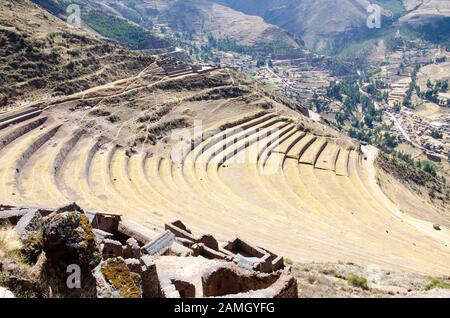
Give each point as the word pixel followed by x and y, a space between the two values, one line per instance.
pixel 68 238
pixel 70 249
pixel 32 246
pixel 30 228
pixel 72 207
pixel 115 280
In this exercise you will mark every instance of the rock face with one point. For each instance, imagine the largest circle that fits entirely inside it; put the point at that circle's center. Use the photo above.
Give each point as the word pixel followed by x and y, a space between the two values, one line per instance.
pixel 115 280
pixel 68 239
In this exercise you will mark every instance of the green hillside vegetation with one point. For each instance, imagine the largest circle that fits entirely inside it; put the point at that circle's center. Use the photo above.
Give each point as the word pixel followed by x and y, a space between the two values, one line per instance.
pixel 120 30
pixel 276 48
pixel 437 32
pixel 395 6
pixel 130 12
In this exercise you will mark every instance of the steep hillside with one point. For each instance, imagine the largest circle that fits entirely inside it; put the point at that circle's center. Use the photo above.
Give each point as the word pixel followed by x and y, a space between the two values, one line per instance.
pixel 346 20
pixel 205 18
pixel 42 57
pixel 425 11
pixel 135 19
pixel 111 19
pixel 305 18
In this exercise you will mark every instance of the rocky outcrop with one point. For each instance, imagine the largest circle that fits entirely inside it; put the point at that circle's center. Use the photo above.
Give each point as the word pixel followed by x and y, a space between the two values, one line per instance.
pixel 69 240
pixel 115 280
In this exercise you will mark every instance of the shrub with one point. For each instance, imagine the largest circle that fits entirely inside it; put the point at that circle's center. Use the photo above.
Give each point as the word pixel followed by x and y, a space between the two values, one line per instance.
pixel 113 118
pixel 288 261
pixel 358 281
pixel 437 283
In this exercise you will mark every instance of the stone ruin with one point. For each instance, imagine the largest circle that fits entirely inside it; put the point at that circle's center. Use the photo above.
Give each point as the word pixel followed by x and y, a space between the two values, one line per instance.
pixel 124 259
pixel 173 67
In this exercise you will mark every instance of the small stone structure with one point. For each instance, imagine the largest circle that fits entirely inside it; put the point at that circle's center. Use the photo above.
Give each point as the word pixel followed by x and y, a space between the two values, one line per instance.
pixel 239 251
pixel 173 67
pixel 228 279
pixel 253 257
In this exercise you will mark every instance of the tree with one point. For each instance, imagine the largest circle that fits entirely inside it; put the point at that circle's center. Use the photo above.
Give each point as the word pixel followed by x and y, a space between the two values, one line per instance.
pixel 260 62
pixel 340 118
pixel 368 120
pixel 430 168
pixel 436 134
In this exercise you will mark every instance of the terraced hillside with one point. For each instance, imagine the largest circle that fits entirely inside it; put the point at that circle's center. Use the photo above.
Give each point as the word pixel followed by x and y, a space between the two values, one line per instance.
pixel 42 57
pixel 259 169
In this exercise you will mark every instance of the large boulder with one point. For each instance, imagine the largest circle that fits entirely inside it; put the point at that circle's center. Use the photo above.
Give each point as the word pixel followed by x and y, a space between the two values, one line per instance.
pixel 71 249
pixel 69 239
pixel 115 280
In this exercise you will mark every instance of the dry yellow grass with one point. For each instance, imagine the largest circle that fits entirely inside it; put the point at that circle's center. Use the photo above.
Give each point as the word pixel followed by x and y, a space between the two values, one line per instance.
pixel 9 239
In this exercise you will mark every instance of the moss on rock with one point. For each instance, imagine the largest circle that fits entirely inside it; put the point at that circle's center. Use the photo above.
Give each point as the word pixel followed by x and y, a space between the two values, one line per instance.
pixel 116 272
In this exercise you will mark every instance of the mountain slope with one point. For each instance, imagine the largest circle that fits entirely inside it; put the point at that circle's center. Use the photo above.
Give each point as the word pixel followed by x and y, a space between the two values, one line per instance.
pixel 112 20
pixel 425 11
pixel 203 18
pixel 323 24
pixel 328 25
pixel 41 56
